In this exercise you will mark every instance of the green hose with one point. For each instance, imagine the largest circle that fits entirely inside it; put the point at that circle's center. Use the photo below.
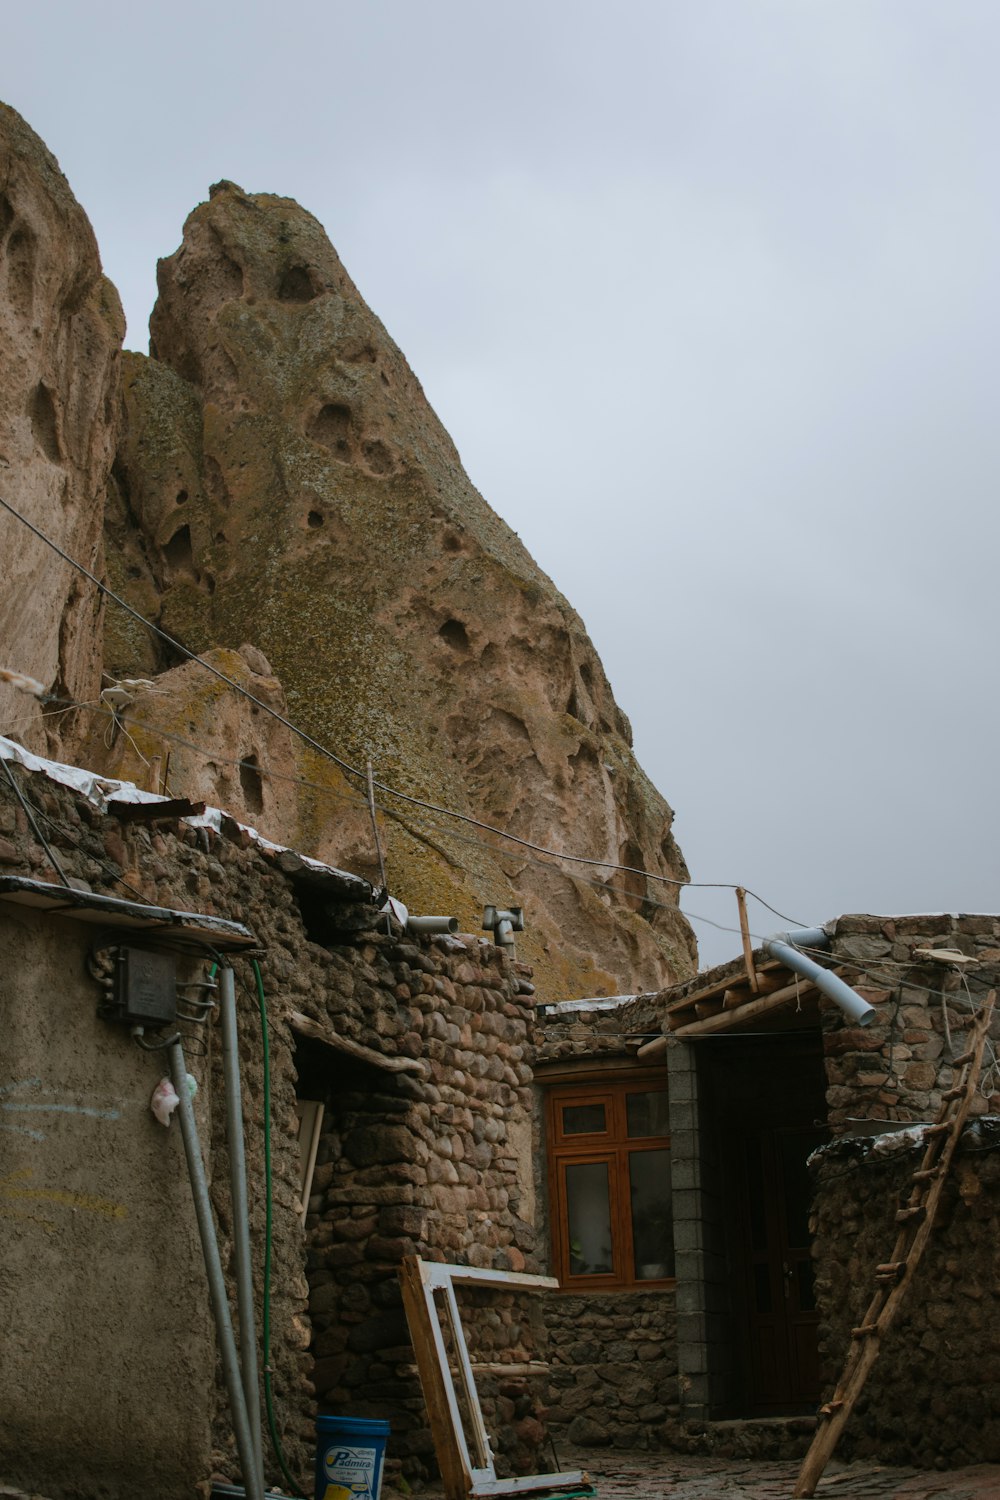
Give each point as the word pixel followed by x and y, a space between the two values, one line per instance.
pixel 268 1393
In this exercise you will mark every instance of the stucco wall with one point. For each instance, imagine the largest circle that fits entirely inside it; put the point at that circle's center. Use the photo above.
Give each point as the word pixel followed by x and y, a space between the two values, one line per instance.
pixel 105 1327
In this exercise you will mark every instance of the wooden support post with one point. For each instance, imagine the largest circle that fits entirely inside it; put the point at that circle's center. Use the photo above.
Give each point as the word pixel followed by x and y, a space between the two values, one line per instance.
pixel 741 902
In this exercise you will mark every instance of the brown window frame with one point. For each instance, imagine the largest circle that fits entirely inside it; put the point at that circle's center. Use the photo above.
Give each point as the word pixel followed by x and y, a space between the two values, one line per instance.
pixel 614 1146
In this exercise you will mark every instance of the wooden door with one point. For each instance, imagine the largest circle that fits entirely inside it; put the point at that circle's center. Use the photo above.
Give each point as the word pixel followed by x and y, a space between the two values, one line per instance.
pixel 779 1307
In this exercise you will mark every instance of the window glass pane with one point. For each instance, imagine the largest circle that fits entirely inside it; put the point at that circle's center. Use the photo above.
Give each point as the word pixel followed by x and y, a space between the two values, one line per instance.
pixel 652 1228
pixel 646 1113
pixel 583 1119
pixel 588 1217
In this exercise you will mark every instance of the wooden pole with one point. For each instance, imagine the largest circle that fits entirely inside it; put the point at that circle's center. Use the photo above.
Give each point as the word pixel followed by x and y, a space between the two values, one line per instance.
pixel 741 902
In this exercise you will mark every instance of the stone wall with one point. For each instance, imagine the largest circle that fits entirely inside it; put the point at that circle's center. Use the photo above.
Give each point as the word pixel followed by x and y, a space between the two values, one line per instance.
pixel 933 1395
pixel 435 1161
pixel 932 1398
pixel 613 1369
pixel 895 1069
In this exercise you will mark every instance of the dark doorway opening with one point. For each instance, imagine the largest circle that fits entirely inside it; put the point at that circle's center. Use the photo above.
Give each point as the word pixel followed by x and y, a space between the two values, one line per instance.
pixel 768 1111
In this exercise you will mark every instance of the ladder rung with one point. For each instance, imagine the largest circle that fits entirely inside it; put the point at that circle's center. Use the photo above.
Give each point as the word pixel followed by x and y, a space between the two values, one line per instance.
pixel 926 1173
pixel 940 1129
pixel 829 1407
pixel 864 1331
pixel 959 1062
pixel 891 1271
pixel 955 1093
pixel 914 1211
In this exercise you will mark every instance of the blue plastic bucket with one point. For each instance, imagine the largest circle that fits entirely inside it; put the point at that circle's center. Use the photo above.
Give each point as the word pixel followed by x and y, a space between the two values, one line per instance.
pixel 349 1454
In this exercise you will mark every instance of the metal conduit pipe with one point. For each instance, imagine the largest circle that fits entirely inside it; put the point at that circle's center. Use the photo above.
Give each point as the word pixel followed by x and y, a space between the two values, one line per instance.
pixel 432 924
pixel 216 1282
pixel 786 945
pixel 241 1216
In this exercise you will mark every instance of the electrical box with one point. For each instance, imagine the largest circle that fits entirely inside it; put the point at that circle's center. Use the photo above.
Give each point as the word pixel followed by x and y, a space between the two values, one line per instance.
pixel 145 990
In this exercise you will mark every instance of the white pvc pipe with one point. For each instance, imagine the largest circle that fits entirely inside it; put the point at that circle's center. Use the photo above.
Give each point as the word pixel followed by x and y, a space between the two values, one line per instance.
pixel 786 947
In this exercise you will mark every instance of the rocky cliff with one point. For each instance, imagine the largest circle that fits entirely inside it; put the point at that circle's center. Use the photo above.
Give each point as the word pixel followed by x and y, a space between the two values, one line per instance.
pixel 284 497
pixel 61 329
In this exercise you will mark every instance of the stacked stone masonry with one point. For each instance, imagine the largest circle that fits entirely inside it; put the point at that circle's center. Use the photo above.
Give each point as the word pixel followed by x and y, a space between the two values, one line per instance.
pixel 434 1162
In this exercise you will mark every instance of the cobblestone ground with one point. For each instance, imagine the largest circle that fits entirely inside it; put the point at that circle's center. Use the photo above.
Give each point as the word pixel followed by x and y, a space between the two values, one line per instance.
pixel 652 1476
pixel 664 1476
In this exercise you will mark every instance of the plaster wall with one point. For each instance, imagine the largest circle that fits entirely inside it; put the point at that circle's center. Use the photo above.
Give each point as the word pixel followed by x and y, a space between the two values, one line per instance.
pixel 103 1307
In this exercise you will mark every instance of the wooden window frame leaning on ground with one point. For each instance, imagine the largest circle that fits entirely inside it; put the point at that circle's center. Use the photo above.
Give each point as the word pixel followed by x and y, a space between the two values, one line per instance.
pixel 599 1131
pixel 448 1380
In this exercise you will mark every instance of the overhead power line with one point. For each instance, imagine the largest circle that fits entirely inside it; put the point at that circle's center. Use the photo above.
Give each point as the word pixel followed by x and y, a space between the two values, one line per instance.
pixel 351 770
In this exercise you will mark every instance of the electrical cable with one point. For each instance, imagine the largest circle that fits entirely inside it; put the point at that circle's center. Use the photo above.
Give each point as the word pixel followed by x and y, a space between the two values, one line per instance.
pixel 415 832
pixel 38 832
pixel 354 770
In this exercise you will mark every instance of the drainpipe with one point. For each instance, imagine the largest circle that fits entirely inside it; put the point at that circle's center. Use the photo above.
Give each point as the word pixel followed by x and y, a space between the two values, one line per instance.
pixel 241 1217
pixel 786 945
pixel 216 1281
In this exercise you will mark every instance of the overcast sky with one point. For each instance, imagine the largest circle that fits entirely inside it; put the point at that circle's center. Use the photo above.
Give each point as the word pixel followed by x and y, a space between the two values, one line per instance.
pixel 705 292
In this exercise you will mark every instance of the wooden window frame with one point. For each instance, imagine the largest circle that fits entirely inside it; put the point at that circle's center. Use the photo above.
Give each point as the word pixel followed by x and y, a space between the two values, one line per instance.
pixel 614 1146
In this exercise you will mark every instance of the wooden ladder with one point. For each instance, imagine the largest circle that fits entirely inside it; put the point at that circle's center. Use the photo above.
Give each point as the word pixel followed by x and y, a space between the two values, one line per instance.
pixel 892 1279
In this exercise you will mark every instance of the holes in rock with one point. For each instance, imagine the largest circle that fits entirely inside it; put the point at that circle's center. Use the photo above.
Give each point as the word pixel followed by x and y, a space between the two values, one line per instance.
pixel 181 497
pixel 21 271
pixel 215 482
pixel 44 424
pixel 361 354
pixel 587 674
pixel 331 426
pixel 455 635
pixel 134 572
pixel 226 282
pixel 209 582
pixel 177 552
pixel 296 285
pixel 251 784
pixel 632 880
pixel 221 539
pixel 573 707
pixel 6 214
pixel 377 457
pixel 451 542
pixel 314 518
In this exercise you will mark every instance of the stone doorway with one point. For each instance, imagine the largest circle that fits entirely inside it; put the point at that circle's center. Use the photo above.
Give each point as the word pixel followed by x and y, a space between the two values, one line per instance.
pixel 768 1114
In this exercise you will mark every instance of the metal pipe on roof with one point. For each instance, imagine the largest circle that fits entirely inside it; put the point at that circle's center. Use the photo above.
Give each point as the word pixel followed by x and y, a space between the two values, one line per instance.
pixel 786 947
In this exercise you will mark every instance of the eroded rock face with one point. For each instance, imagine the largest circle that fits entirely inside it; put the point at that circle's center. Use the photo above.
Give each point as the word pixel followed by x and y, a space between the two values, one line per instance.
pixel 61 329
pixel 294 489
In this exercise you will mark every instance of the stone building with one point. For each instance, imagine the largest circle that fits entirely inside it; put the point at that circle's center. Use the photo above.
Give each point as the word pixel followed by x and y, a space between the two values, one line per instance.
pixel 710 1171
pixel 791 1134
pixel 416 1049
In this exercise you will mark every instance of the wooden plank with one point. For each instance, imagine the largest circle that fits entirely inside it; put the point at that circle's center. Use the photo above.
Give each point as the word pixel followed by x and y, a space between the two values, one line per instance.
pixel 317 1032
pixel 910 1246
pixel 497 1367
pixel 741 904
pixel 531 1484
pixel 483 1459
pixel 436 1274
pixel 747 1012
pixel 717 986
